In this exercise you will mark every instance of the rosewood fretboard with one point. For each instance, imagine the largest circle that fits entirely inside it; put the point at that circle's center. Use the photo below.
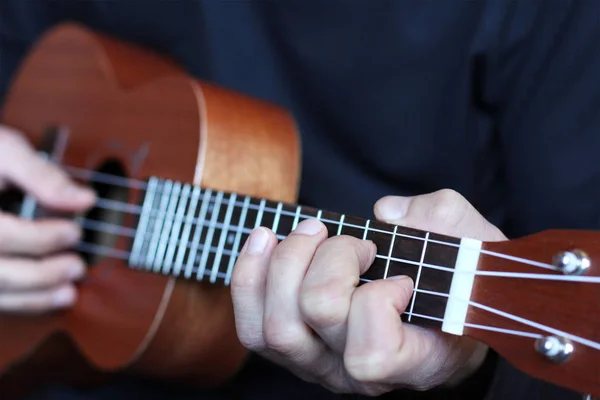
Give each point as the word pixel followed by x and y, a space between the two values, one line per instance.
pixel 193 233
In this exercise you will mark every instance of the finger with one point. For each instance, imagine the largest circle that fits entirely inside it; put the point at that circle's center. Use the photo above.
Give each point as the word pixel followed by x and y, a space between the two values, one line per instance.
pixel 285 332
pixel 327 289
pixel 445 212
pixel 248 282
pixel 19 275
pixel 38 301
pixel 20 236
pixel 46 182
pixel 382 349
pixel 378 348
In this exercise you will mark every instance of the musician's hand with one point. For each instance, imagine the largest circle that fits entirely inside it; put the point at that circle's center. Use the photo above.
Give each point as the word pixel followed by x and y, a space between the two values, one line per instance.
pixel 297 304
pixel 31 280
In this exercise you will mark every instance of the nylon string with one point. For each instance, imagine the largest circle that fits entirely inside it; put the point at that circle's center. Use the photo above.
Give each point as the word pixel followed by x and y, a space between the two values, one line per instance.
pixel 131 208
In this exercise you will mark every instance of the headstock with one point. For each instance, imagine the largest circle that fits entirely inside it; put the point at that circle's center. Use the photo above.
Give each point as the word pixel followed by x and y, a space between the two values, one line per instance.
pixel 536 301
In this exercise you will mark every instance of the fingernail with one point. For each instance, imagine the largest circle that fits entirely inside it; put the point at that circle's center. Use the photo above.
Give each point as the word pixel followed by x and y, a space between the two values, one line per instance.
pixel 397 277
pixel 257 242
pixel 309 227
pixel 392 207
pixel 64 297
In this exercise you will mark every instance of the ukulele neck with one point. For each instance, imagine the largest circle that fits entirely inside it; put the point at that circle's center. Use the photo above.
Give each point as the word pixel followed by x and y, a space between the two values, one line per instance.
pixel 195 233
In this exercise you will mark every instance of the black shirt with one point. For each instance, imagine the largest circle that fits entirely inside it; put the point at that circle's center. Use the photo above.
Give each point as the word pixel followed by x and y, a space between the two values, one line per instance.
pixel 498 100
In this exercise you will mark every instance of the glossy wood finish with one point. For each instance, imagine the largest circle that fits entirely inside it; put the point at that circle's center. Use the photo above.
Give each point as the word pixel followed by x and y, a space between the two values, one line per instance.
pixel 121 102
pixel 571 307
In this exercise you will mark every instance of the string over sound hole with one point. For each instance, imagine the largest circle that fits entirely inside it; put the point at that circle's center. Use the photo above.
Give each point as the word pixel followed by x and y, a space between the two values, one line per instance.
pixel 103 226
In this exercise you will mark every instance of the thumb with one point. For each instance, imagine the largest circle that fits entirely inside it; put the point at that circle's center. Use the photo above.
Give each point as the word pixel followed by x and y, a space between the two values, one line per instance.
pixel 444 211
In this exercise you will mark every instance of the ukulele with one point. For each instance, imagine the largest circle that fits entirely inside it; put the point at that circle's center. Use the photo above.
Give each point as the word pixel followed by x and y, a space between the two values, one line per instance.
pixel 184 170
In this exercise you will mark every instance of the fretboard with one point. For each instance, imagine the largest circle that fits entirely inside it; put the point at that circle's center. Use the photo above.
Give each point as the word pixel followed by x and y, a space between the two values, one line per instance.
pixel 196 233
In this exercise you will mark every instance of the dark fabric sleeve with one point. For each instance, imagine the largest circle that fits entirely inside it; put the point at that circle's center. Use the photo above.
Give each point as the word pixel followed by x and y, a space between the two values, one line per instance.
pixel 21 23
pixel 547 96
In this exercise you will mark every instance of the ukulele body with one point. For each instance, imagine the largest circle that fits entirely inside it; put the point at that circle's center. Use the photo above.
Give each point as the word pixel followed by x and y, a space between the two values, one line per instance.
pixel 131 112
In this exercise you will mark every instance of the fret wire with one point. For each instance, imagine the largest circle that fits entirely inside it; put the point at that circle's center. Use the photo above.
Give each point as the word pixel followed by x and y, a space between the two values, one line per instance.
pixel 296 218
pixel 211 231
pixel 277 216
pixel 184 241
pixel 341 224
pixel 412 304
pixel 319 214
pixel 142 223
pixel 261 210
pixel 157 227
pixel 169 256
pixel 224 233
pixel 238 236
pixel 197 234
pixel 167 227
pixel 387 263
pixel 366 229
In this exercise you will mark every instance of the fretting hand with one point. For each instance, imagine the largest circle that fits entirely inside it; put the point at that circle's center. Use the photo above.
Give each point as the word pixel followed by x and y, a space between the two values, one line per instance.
pixel 297 303
pixel 32 280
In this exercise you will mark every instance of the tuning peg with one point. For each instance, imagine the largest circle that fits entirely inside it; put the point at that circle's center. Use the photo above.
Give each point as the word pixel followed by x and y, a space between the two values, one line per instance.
pixel 574 262
pixel 554 348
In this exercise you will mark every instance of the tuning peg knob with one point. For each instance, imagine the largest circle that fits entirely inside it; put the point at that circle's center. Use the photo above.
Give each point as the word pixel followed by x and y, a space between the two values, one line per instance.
pixel 574 262
pixel 554 348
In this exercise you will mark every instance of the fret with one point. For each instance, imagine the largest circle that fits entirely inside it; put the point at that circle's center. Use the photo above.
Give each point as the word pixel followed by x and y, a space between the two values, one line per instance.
pixel 341 225
pixel 366 231
pixel 160 215
pixel 259 216
pixel 140 233
pixel 269 214
pixel 237 240
pixel 286 221
pixel 167 226
pixel 198 228
pixel 416 282
pixel 185 236
pixel 214 210
pixel 222 240
pixel 177 225
pixel 389 257
pixel 296 217
pixel 277 217
pixel 331 222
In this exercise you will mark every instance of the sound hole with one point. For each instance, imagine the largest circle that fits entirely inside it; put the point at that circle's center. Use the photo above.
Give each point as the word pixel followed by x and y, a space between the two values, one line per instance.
pixel 105 222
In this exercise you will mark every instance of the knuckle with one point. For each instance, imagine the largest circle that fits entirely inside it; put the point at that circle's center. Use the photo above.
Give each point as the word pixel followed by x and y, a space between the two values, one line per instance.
pixel 367 292
pixel 448 207
pixel 283 338
pixel 346 247
pixel 340 242
pixel 289 251
pixel 369 366
pixel 325 305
